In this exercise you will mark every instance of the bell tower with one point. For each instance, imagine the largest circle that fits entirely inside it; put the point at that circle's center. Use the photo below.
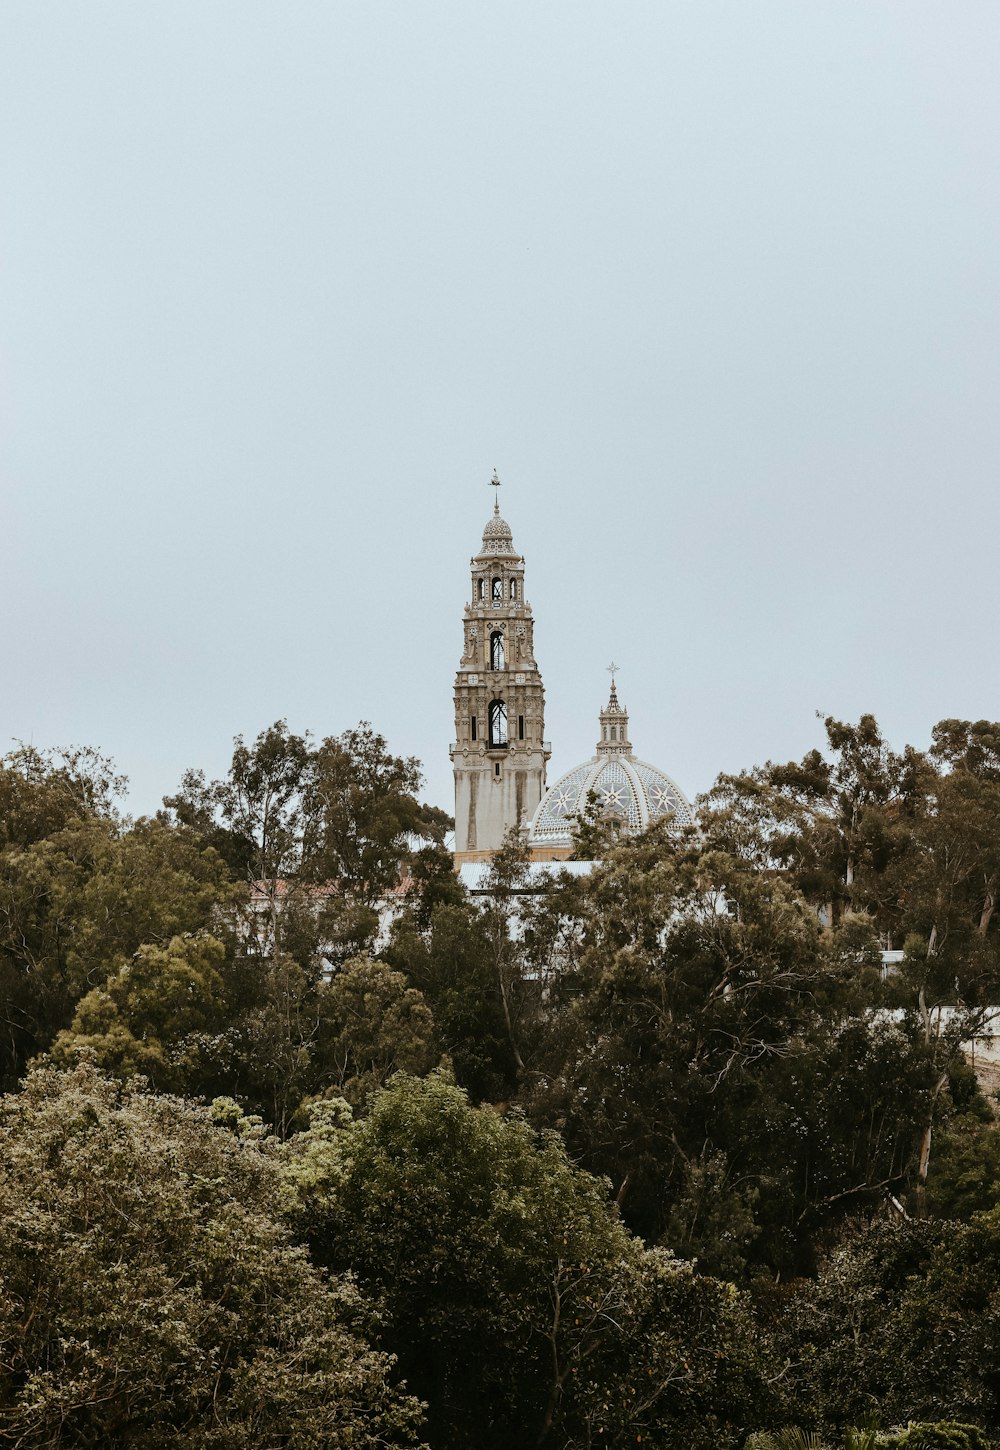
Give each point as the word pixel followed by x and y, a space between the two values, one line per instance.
pixel 499 755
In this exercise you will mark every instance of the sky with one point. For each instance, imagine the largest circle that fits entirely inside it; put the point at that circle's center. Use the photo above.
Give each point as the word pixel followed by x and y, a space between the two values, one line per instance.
pixel 715 287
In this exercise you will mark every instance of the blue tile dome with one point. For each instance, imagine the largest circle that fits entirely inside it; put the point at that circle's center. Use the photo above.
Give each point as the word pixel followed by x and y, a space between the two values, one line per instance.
pixel 627 790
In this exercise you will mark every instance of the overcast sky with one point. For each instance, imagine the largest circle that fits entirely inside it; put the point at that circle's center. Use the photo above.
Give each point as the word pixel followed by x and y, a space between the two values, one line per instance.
pixel 713 286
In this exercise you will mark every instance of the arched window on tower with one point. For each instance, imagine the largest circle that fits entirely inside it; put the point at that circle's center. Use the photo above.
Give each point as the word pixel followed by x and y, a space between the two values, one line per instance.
pixel 496 650
pixel 498 723
pixel 497 591
pixel 513 589
pixel 482 588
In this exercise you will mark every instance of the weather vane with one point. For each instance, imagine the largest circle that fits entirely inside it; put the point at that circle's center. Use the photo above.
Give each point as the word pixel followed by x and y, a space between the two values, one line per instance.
pixel 495 480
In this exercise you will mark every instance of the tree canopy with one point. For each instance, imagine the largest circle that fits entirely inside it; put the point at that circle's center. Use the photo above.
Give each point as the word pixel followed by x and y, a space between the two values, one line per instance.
pixel 662 1153
pixel 151 1293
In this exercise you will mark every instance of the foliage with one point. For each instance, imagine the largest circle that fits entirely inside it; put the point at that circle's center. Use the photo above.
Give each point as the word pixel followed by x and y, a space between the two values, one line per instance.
pixel 41 791
pixel 374 1024
pixel 76 905
pixel 449 963
pixel 913 842
pixel 148 1018
pixel 942 1436
pixel 518 1305
pixel 713 1060
pixel 902 1322
pixel 701 1021
pixel 321 833
pixel 151 1294
pixel 965 1171
pixel 789 1438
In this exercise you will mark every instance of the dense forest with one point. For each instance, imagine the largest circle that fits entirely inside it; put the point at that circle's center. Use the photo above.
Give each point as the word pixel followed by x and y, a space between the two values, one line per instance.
pixel 301 1145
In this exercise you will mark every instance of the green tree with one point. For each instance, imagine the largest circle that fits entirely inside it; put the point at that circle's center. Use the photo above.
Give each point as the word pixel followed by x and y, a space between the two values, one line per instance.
pixel 594 832
pixel 373 1024
pixel 41 791
pixel 517 1303
pixel 432 883
pixel 450 963
pixel 902 1324
pixel 150 1016
pixel 951 976
pixel 364 811
pixel 323 833
pixel 151 1294
pixel 77 904
pixel 706 1058
pixel 835 824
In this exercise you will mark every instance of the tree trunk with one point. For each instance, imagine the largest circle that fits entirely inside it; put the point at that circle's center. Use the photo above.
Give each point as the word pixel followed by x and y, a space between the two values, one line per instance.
pixel 508 1020
pixel 923 1167
pixel 989 905
pixel 622 1193
pixel 558 1375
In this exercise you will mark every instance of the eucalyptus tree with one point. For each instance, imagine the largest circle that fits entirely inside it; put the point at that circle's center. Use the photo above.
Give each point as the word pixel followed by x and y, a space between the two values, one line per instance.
pixel 950 979
pixel 833 823
pixel 717 1063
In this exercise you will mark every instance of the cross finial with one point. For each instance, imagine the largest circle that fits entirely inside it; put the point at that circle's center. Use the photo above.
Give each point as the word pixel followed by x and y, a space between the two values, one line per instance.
pixel 613 670
pixel 495 483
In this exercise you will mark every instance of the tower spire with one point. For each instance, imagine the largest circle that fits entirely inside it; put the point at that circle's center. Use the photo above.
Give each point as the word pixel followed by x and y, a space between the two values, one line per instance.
pixel 495 483
pixel 612 671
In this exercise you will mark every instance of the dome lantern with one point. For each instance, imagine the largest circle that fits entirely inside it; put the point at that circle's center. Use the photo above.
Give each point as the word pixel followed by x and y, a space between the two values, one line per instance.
pixel 613 738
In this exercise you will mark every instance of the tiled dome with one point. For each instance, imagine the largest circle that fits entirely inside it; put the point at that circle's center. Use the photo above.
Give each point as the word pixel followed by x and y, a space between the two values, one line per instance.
pixel 627 790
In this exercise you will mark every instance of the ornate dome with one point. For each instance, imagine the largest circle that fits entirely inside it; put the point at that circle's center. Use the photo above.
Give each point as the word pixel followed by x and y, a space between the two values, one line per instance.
pixel 627 790
pixel 497 537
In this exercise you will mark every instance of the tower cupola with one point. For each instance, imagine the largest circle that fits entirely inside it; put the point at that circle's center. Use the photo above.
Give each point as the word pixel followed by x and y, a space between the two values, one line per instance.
pixel 497 537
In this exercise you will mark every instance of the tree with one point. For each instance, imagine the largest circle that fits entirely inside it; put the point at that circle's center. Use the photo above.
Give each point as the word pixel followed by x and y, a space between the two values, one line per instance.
pixel 151 1294
pixel 363 811
pixel 323 834
pixel 507 875
pixel 716 1066
pixel 902 1324
pixel 519 1306
pixel 834 826
pixel 594 831
pixel 433 883
pixel 951 976
pixel 450 963
pixel 76 905
pixel 150 1016
pixel 41 791
pixel 373 1024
